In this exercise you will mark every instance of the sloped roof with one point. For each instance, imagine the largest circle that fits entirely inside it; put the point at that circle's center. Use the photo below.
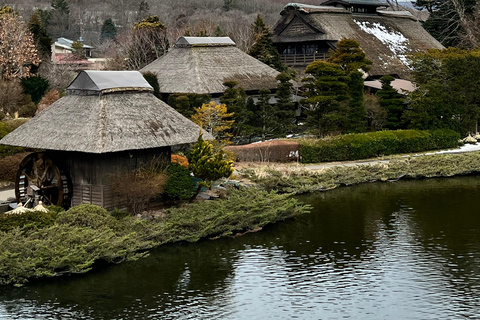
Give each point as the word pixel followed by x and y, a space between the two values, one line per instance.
pixel 373 3
pixel 67 43
pixel 203 69
pixel 204 41
pixel 386 37
pixel 104 123
pixel 102 81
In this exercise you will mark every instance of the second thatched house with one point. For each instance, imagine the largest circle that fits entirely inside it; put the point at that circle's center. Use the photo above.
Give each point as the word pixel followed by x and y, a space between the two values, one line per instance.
pixel 305 33
pixel 202 64
pixel 109 123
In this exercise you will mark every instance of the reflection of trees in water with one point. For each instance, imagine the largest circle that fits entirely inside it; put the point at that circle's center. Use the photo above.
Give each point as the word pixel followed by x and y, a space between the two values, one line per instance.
pixel 420 228
pixel 171 273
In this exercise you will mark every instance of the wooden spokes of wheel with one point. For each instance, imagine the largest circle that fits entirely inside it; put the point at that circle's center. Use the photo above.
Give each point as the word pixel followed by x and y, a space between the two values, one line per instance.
pixel 39 176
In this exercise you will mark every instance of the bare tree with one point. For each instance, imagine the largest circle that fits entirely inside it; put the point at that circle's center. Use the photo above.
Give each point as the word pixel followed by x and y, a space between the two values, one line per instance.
pixel 17 48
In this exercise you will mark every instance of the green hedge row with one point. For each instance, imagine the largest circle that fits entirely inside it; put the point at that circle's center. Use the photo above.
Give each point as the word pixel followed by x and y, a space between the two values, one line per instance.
pixel 374 144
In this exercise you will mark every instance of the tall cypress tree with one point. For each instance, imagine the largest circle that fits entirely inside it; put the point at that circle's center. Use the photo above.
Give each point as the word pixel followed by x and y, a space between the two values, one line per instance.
pixel 285 106
pixel 392 102
pixel 263 48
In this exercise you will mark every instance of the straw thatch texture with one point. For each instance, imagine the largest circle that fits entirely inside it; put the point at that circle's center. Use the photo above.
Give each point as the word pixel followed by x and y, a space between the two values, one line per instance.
pixel 387 37
pixel 105 123
pixel 203 69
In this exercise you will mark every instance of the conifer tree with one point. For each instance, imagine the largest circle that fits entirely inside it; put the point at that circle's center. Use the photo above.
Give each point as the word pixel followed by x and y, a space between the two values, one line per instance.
pixel 266 116
pixel 351 59
pixel 285 106
pixel 208 165
pixel 326 90
pixel 263 48
pixel 108 31
pixel 235 100
pixel 392 102
pixel 357 113
pixel 43 41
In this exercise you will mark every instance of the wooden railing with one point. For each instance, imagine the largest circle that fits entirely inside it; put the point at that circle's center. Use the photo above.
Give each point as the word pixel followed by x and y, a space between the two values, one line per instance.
pixel 302 58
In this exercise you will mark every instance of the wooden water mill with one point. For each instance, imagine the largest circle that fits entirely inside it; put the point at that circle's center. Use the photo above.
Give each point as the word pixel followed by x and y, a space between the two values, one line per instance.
pixel 40 179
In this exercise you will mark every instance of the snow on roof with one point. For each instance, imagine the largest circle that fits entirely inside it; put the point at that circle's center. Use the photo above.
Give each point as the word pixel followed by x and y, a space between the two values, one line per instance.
pixel 394 40
pixel 99 81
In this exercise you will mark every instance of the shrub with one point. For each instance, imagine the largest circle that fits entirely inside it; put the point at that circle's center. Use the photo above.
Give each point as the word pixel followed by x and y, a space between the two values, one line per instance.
pixel 5 128
pixel 180 185
pixel 137 187
pixel 28 110
pixel 35 87
pixel 181 160
pixel 28 220
pixel 374 144
pixel 9 165
pixel 86 215
pixel 119 214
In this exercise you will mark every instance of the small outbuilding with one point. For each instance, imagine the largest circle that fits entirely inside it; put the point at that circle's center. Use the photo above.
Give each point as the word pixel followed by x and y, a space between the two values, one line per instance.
pixel 108 123
pixel 202 64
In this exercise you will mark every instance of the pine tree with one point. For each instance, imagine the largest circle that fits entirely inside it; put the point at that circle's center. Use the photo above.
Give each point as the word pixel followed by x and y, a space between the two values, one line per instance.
pixel 263 48
pixel 351 59
pixel 266 116
pixel 235 100
pixel 357 114
pixel 392 102
pixel 109 31
pixel 326 90
pixel 349 56
pixel 208 165
pixel 152 80
pixel 43 41
pixel 285 106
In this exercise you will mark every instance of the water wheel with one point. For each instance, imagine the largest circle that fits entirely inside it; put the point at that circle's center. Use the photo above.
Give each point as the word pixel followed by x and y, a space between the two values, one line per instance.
pixel 38 178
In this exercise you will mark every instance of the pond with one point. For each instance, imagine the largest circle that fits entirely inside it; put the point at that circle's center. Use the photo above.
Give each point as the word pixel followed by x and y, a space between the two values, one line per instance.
pixel 402 250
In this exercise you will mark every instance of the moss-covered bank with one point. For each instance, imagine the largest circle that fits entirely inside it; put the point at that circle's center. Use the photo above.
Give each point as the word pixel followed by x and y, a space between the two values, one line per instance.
pixel 300 180
pixel 76 239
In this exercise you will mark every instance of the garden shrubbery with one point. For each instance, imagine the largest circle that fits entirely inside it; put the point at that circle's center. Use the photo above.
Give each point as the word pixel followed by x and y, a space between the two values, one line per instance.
pixel 374 144
pixel 5 128
pixel 28 220
pixel 180 185
pixel 85 234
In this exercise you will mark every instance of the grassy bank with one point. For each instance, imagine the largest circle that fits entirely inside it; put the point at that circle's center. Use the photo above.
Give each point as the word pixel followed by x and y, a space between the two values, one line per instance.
pixel 298 179
pixel 71 242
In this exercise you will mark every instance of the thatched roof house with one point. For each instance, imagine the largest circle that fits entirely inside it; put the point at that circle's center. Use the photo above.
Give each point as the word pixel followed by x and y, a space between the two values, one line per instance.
pixel 109 122
pixel 305 33
pixel 105 111
pixel 202 64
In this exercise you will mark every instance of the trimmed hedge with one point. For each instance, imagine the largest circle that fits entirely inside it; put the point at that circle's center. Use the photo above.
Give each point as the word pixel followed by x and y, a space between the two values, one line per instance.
pixel 5 128
pixel 374 144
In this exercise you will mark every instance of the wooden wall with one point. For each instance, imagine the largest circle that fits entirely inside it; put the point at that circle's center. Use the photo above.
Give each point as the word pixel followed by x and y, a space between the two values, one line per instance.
pixel 92 174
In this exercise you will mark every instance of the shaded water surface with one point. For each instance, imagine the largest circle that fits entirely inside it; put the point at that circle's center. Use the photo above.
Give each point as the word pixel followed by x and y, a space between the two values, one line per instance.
pixel 403 250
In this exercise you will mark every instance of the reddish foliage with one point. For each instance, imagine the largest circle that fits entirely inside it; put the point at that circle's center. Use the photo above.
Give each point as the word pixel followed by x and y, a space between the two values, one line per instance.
pixel 268 151
pixel 181 160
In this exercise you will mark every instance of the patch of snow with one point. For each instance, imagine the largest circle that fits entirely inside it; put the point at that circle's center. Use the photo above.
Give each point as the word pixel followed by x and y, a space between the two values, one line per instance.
pixel 395 41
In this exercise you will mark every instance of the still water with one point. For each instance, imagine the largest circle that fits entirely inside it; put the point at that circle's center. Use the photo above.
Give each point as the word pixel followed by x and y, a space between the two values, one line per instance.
pixel 403 250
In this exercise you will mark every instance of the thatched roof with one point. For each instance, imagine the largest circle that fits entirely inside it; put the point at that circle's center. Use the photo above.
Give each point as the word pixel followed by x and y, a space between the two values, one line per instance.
pixel 125 119
pixel 202 64
pixel 387 37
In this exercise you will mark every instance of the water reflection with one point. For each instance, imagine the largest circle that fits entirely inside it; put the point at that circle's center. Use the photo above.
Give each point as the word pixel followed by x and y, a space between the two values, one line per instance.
pixel 404 250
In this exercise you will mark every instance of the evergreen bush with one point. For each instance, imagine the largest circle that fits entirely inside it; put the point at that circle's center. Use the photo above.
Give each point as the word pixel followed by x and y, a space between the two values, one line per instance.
pixel 180 185
pixel 374 144
pixel 26 221
pixel 86 215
